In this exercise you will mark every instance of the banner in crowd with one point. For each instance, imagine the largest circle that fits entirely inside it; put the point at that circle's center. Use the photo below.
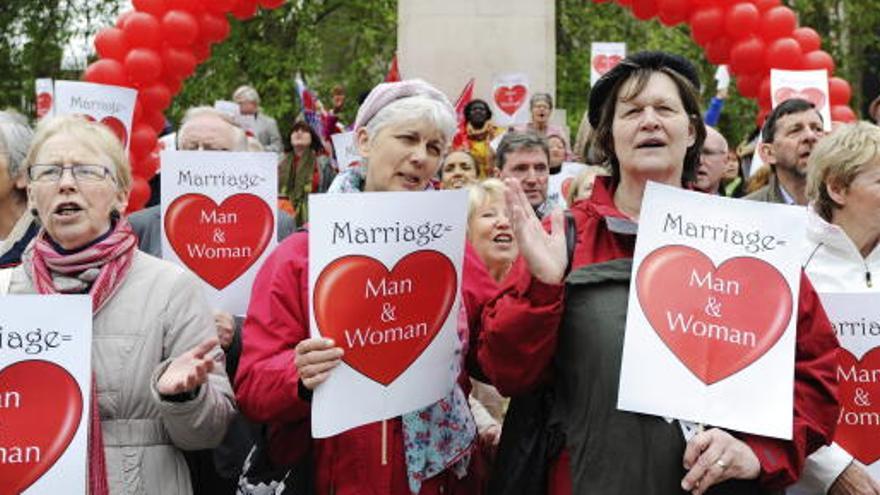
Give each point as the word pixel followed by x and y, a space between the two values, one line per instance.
pixel 559 183
pixel 345 149
pixel 45 89
pixel 219 219
pixel 810 85
pixel 385 277
pixel 710 328
pixel 603 57
pixel 45 385
pixel 510 99
pixel 112 106
pixel 856 321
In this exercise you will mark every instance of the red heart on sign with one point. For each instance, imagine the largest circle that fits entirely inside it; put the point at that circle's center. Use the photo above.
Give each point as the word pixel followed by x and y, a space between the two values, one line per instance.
pixel 389 317
pixel 603 63
pixel 813 95
pixel 114 125
pixel 858 390
pixel 510 98
pixel 44 104
pixel 680 290
pixel 41 406
pixel 218 243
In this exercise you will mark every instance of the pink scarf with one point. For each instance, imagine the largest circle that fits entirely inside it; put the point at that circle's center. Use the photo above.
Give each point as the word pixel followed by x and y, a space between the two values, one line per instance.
pixel 98 269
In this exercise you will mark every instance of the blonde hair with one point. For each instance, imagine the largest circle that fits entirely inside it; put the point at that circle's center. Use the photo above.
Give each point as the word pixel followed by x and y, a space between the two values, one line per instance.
pixel 246 93
pixel 837 160
pixel 579 182
pixel 94 136
pixel 483 192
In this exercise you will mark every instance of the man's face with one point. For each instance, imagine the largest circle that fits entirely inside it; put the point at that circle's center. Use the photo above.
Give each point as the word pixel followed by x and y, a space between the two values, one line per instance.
pixel 247 107
pixel 478 114
pixel 338 100
pixel 207 133
pixel 531 168
pixel 713 162
pixel 796 135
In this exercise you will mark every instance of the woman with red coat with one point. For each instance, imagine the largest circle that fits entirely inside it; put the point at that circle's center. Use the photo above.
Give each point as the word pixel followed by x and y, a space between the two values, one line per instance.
pixel 570 328
pixel 402 130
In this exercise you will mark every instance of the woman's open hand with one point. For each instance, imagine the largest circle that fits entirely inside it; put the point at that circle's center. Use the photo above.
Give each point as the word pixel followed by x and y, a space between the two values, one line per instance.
pixel 314 360
pixel 189 370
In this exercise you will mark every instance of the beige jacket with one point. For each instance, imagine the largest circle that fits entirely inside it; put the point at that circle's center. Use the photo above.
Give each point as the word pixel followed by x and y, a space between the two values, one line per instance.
pixel 157 313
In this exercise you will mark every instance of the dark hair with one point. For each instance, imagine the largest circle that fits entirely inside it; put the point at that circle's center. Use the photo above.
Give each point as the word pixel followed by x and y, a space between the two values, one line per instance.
pixel 516 141
pixel 787 107
pixel 472 104
pixel 317 145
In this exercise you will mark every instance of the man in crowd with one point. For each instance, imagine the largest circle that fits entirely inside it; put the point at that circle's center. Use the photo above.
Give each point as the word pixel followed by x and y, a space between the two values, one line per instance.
pixel 263 127
pixel 713 162
pixel 791 131
pixel 525 156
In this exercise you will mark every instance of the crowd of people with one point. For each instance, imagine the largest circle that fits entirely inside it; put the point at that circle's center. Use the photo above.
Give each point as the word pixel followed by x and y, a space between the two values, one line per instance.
pixel 191 399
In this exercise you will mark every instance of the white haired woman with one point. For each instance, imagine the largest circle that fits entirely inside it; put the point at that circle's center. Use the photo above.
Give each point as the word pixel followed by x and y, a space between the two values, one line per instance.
pixel 402 131
pixel 17 225
pixel 159 386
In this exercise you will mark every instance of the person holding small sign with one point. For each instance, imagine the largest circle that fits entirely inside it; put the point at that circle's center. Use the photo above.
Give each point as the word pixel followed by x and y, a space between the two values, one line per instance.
pixel 402 131
pixel 646 117
pixel 160 385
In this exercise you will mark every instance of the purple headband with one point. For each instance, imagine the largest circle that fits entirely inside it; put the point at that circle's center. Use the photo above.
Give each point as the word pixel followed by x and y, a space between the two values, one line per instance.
pixel 387 93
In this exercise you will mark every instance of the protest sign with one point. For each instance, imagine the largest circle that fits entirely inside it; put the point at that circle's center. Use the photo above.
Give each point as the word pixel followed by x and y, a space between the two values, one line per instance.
pixel 346 151
pixel 810 85
pixel 219 219
pixel 603 57
pixel 112 106
pixel 710 328
pixel 384 280
pixel 510 97
pixel 559 183
pixel 45 89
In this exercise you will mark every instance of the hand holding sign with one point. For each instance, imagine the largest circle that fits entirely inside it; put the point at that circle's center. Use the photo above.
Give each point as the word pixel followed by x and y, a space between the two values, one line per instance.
pixel 189 370
pixel 315 359
pixel 714 456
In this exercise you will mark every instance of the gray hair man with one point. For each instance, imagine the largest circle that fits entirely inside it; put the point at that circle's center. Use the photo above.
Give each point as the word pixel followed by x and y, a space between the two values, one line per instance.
pixel 263 127
pixel 713 162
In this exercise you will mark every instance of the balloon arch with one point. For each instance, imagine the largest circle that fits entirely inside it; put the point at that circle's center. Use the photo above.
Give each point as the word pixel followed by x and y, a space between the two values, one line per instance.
pixel 155 47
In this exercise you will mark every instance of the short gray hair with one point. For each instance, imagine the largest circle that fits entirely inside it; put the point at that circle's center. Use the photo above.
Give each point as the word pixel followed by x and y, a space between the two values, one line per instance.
pixel 15 139
pixel 246 93
pixel 414 108
pixel 193 113
pixel 516 141
pixel 545 97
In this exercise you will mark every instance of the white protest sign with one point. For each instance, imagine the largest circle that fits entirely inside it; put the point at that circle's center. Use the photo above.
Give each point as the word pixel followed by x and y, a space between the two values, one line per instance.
pixel 112 106
pixel 219 219
pixel 168 142
pixel 603 57
pixel 810 85
pixel 45 90
pixel 559 183
pixel 45 386
pixel 384 279
pixel 856 321
pixel 510 99
pixel 230 108
pixel 710 328
pixel 345 149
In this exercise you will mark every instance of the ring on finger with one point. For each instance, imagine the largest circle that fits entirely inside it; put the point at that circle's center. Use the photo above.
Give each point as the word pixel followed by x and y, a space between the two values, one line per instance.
pixel 721 464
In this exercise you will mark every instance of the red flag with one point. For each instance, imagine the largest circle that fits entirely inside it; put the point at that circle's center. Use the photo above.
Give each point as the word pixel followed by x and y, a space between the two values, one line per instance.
pixel 467 94
pixel 393 71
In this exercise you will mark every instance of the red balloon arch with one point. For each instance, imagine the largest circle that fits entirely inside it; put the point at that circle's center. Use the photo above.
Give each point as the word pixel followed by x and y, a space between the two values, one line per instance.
pixel 158 45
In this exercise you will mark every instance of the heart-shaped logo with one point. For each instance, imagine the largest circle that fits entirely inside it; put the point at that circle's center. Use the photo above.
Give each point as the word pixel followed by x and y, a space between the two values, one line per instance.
pixel 813 95
pixel 218 243
pixel 384 319
pixel 114 125
pixel 41 406
pixel 716 321
pixel 859 390
pixel 603 63
pixel 44 104
pixel 510 98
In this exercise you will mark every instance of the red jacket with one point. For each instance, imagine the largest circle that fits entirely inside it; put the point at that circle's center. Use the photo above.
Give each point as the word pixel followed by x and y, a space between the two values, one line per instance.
pixel 365 460
pixel 520 325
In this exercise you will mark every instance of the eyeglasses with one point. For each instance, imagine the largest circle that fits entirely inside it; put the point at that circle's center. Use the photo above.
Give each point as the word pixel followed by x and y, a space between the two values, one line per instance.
pixel 83 172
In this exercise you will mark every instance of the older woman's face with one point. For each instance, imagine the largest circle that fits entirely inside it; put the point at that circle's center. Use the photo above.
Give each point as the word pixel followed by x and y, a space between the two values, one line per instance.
pixel 74 211
pixel 541 112
pixel 861 200
pixel 459 170
pixel 557 151
pixel 403 156
pixel 652 131
pixel 490 234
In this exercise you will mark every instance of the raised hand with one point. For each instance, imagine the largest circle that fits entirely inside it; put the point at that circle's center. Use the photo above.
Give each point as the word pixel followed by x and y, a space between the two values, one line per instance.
pixel 189 370
pixel 544 253
pixel 714 456
pixel 315 358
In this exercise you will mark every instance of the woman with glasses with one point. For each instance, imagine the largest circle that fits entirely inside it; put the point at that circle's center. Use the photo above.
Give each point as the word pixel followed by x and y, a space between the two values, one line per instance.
pixel 160 383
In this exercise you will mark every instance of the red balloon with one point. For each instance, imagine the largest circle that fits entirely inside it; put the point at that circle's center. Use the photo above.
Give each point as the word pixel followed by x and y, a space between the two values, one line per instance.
pixel 625 3
pixel 817 60
pixel 143 66
pixel 839 91
pixel 154 119
pixel 120 21
pixel 644 9
pixel 153 7
pixel 718 50
pixel 808 38
pixel 106 71
pixel 139 194
pixel 220 7
pixel 764 97
pixel 778 22
pixel 762 116
pixel 747 56
pixel 156 96
pixel 110 43
pixel 178 63
pixel 244 9
pixel 271 4
pixel 145 167
pixel 194 6
pixel 142 30
pixel 202 51
pixel 180 28
pixel 143 140
pixel 672 12
pixel 742 20
pixel 784 53
pixel 842 113
pixel 213 27
pixel 707 24
pixel 765 5
pixel 749 84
